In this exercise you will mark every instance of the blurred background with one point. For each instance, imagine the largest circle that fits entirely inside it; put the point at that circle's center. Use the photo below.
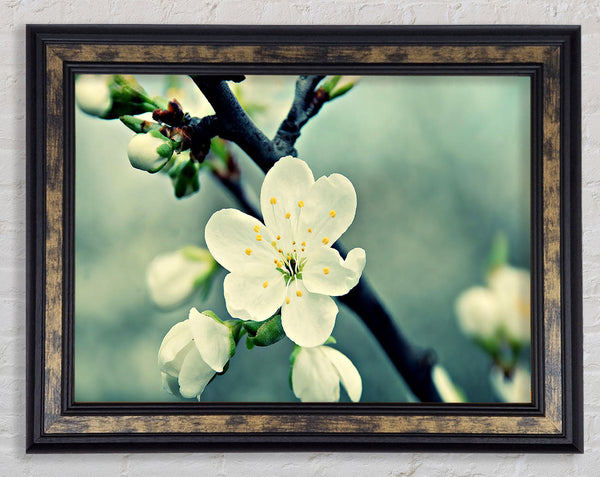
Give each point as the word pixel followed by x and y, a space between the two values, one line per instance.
pixel 440 166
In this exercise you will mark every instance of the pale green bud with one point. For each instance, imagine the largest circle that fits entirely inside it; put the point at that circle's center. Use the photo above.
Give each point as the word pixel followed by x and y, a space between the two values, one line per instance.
pixel 150 151
pixel 184 175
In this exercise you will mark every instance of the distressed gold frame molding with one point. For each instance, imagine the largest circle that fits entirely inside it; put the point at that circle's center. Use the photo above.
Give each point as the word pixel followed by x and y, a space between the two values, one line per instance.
pixel 549 55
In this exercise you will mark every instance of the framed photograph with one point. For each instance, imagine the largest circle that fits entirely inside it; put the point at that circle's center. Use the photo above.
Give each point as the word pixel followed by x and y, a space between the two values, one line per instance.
pixel 293 238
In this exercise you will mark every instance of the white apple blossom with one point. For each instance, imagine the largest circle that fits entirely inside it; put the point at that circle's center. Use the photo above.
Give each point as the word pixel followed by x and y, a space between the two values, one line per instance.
pixel 288 262
pixel 317 373
pixel 516 388
pixel 501 307
pixel 173 277
pixel 192 352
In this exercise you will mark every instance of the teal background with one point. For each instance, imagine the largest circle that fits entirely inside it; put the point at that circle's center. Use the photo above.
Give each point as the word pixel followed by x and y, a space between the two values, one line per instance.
pixel 440 165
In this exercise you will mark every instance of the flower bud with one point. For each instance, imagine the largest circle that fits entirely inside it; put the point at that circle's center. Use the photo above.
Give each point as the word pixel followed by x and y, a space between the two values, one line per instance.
pixel 150 151
pixel 448 391
pixel 192 352
pixel 184 175
pixel 111 96
pixel 264 333
pixel 478 313
pixel 317 372
pixel 173 277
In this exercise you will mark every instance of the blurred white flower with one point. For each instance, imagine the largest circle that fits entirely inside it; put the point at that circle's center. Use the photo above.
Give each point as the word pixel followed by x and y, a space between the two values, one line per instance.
pixel 192 352
pixel 317 373
pixel 517 388
pixel 501 307
pixel 173 277
pixel 149 151
pixel 288 262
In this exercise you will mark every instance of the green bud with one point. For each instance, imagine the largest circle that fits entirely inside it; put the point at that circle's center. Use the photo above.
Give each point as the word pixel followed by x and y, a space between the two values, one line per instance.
pixel 341 91
pixel 330 83
pixel 184 174
pixel 269 332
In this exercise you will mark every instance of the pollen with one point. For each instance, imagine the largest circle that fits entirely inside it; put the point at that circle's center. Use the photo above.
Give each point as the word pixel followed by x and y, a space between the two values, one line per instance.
pixel 303 250
pixel 280 251
pixel 275 261
pixel 279 237
pixel 294 242
pixel 304 244
pixel 288 215
pixel 258 237
pixel 265 285
pixel 248 251
pixel 298 293
pixel 273 200
pixel 301 204
pixel 326 270
pixel 256 228
pixel 325 240
pixel 280 264
pixel 309 231
pixel 287 300
pixel 332 213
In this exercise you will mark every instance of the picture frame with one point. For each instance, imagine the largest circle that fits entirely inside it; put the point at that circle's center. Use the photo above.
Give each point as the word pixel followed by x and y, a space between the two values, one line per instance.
pixel 548 55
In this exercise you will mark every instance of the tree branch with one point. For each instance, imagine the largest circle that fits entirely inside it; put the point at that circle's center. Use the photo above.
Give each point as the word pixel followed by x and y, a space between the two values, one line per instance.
pixel 412 362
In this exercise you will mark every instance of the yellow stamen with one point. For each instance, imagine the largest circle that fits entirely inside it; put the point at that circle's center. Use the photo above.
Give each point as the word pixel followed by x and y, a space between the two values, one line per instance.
pixel 256 228
pixel 303 250
pixel 332 213
pixel 280 264
pixel 287 300
pixel 273 200
pixel 294 242
pixel 301 204
pixel 295 250
pixel 248 251
pixel 304 244
pixel 288 215
pixel 326 270
pixel 309 231
pixel 258 238
pixel 325 240
pixel 279 237
pixel 275 261
pixel 280 251
pixel 265 285
pixel 298 293
pixel 289 258
pixel 274 243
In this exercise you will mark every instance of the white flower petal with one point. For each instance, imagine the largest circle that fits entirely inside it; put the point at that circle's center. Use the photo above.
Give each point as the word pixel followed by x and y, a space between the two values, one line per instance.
pixel 329 210
pixel 517 388
pixel 478 312
pixel 92 94
pixel 174 347
pixel 194 375
pixel 171 278
pixel 254 298
pixel 346 370
pixel 170 383
pixel 314 379
pixel 231 237
pixel 213 339
pixel 327 273
pixel 285 185
pixel 444 385
pixel 308 319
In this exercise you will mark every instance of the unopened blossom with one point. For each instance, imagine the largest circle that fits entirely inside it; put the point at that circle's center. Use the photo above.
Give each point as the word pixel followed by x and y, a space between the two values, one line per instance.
pixel 287 262
pixel 174 276
pixel 447 390
pixel 317 373
pixel 513 388
pixel 149 151
pixel 502 307
pixel 192 352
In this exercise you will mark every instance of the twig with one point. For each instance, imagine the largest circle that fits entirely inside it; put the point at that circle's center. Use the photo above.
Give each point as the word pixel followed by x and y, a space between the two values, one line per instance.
pixel 412 362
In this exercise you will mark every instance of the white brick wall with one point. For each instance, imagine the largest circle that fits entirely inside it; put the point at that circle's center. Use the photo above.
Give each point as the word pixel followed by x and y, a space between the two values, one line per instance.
pixel 15 14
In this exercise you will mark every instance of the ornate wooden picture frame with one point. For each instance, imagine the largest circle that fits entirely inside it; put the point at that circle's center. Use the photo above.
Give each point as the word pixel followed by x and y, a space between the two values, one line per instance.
pixel 548 55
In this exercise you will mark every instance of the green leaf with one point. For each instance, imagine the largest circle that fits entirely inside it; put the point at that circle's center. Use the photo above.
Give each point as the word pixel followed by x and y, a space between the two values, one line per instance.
pixel 330 83
pixel 498 255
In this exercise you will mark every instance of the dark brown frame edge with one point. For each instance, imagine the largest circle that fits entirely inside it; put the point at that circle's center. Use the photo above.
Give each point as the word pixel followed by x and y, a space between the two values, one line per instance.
pixel 571 439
